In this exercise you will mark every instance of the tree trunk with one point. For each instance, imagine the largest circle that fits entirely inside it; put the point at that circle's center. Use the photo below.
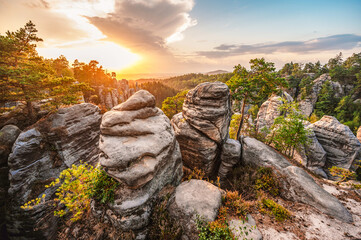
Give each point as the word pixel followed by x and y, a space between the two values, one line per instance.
pixel 242 117
pixel 30 109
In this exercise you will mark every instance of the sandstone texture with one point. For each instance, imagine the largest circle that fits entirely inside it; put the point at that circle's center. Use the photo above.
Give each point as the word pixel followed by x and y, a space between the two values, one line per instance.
pixel 8 135
pixel 192 198
pixel 359 134
pixel 38 156
pixel 139 149
pixel 230 156
pixel 341 145
pixel 236 225
pixel 296 183
pixel 202 127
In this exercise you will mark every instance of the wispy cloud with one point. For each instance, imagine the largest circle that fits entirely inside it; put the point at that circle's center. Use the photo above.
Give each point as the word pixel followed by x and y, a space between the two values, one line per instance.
pixel 335 42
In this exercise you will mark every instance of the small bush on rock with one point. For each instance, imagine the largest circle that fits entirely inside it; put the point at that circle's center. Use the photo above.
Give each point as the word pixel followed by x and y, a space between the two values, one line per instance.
pixel 272 208
pixel 77 186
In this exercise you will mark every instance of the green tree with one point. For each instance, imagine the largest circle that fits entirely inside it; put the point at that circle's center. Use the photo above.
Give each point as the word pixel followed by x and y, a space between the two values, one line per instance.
pixel 253 86
pixel 173 105
pixel 24 76
pixel 288 131
pixel 326 102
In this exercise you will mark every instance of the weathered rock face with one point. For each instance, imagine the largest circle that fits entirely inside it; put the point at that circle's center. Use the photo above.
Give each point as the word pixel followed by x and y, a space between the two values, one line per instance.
pixel 296 183
pixel 202 127
pixel 359 134
pixel 139 149
pixel 237 227
pixel 230 156
pixel 38 156
pixel 207 109
pixel 269 111
pixel 341 145
pixel 8 135
pixel 191 198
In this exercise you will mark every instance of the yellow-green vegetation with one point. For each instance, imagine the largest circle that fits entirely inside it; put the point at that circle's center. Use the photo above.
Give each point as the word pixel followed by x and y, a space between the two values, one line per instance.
pixel 266 181
pixel 77 186
pixel 233 206
pixel 233 127
pixel 272 208
pixel 342 174
pixel 174 105
pixel 32 203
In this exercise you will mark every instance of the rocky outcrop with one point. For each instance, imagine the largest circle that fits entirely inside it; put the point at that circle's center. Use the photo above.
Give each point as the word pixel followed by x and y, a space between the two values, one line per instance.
pixel 297 185
pixel 359 134
pixel 202 127
pixel 307 104
pixel 139 149
pixel 341 145
pixel 245 229
pixel 192 198
pixel 8 135
pixel 38 156
pixel 269 111
pixel 230 156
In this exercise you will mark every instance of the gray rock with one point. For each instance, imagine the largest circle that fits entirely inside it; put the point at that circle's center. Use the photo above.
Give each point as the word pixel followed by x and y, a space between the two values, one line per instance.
pixel 230 156
pixel 296 183
pixel 8 135
pixel 198 151
pixel 341 145
pixel 192 198
pixel 207 108
pixel 38 156
pixel 139 149
pixel 268 112
pixel 253 233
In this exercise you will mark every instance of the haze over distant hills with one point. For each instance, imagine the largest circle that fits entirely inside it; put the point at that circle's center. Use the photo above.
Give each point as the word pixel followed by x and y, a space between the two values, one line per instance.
pixel 216 72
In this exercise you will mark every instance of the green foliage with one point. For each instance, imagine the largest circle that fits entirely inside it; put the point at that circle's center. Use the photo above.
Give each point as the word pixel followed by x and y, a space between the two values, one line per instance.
pixel 217 230
pixel 327 101
pixel 173 105
pixel 288 131
pixel 254 86
pixel 266 181
pixel 272 208
pixel 349 113
pixel 342 174
pixel 233 127
pixel 24 76
pixel 77 186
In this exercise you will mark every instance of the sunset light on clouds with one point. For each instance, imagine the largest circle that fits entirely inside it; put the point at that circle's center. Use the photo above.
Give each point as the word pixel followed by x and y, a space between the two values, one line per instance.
pixel 180 36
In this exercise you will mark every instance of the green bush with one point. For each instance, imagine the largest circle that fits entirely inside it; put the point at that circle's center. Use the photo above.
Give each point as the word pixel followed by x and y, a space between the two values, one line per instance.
pixel 278 211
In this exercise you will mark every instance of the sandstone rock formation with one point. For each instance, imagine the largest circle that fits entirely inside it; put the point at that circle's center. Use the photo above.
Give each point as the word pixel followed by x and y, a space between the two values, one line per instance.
pixel 202 127
pixel 38 156
pixel 296 183
pixel 139 149
pixel 269 111
pixel 341 145
pixel 359 134
pixel 237 226
pixel 230 156
pixel 192 198
pixel 8 135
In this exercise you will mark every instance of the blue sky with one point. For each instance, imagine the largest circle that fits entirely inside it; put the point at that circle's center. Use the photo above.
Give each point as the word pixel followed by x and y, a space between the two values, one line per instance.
pixel 152 36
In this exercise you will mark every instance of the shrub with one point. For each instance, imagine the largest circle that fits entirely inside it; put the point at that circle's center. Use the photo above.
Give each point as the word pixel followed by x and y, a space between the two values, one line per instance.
pixel 235 205
pixel 272 208
pixel 342 173
pixel 77 186
pixel 216 230
pixel 266 181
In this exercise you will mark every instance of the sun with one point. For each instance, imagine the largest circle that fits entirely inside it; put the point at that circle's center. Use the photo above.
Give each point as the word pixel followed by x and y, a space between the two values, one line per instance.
pixel 110 55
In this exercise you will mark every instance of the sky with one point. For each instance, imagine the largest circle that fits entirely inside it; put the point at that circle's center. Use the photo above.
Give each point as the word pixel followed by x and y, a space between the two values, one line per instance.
pixel 155 37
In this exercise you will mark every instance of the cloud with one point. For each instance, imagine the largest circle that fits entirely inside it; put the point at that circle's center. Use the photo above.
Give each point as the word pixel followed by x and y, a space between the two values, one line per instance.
pixel 144 25
pixel 334 42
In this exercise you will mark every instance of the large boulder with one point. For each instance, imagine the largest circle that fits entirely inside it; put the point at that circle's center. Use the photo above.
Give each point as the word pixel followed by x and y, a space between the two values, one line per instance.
pixel 8 135
pixel 341 145
pixel 297 185
pixel 202 127
pixel 38 156
pixel 192 198
pixel 139 149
